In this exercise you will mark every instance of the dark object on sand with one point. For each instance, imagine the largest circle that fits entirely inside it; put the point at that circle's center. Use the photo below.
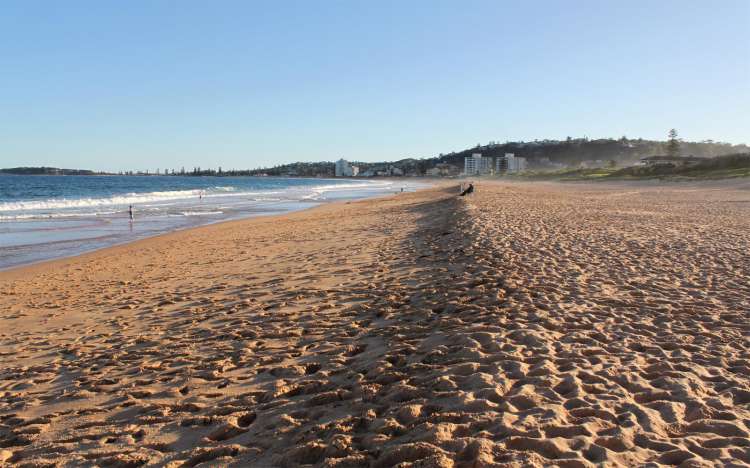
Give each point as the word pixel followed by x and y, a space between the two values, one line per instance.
pixel 468 190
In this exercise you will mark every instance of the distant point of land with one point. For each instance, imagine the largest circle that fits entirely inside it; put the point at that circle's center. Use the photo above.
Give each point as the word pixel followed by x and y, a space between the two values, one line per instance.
pixel 47 171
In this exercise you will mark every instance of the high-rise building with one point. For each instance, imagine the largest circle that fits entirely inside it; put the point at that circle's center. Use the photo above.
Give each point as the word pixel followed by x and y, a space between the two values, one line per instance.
pixel 342 168
pixel 510 164
pixel 477 165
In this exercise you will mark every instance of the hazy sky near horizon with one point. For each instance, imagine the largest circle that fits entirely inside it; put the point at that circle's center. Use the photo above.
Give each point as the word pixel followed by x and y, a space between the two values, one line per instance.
pixel 241 84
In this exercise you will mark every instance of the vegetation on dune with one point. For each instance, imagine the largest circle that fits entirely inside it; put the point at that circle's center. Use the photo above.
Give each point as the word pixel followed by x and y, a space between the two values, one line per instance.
pixel 574 151
pixel 721 167
pixel 673 144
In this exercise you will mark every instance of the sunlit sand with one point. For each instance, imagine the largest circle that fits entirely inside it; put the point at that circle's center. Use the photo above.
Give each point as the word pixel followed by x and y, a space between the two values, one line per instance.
pixel 522 325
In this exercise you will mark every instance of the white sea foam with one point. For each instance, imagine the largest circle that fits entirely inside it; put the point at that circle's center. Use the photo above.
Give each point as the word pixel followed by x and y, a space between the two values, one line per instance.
pixel 67 214
pixel 126 199
pixel 158 201
pixel 200 213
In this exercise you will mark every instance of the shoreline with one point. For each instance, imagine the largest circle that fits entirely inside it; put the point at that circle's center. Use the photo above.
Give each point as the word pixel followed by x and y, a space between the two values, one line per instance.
pixel 135 242
pixel 124 241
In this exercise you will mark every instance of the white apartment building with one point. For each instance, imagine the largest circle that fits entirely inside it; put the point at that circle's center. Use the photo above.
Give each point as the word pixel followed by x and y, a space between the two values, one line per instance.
pixel 477 165
pixel 342 168
pixel 510 164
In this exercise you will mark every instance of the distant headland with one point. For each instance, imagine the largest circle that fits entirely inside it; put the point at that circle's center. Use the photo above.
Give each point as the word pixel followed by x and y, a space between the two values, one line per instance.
pixel 48 171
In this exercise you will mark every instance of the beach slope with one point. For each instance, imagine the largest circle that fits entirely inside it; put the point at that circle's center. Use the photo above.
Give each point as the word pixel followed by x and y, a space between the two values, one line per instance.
pixel 524 325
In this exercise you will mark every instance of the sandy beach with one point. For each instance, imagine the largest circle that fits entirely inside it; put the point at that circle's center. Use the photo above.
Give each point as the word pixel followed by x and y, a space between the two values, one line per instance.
pixel 529 324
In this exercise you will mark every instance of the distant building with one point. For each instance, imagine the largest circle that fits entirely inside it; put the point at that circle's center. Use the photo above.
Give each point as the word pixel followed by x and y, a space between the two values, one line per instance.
pixel 477 165
pixel 510 164
pixel 471 164
pixel 673 161
pixel 344 169
pixel 381 171
pixel 443 170
pixel 447 170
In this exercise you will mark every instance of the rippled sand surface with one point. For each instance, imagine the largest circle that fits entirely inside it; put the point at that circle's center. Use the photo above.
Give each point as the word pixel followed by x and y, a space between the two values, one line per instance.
pixel 525 325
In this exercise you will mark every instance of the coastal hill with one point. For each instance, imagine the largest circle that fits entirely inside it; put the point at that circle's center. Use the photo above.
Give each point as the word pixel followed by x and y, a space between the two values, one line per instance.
pixel 720 167
pixel 542 155
pixel 572 152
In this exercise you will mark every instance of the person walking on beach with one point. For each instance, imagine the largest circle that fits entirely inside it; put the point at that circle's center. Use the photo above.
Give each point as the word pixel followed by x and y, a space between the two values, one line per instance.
pixel 130 212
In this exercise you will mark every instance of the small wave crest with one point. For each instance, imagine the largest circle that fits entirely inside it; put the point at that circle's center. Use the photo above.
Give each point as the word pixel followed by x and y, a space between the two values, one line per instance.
pixel 200 213
pixel 76 214
pixel 115 200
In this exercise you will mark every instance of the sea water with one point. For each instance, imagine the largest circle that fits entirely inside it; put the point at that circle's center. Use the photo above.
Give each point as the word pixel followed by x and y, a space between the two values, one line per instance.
pixel 46 217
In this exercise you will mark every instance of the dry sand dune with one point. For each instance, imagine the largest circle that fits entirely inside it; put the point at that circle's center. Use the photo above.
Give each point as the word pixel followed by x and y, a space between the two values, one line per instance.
pixel 527 324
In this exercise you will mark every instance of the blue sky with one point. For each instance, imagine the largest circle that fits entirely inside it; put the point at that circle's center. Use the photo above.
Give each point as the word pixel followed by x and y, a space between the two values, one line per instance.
pixel 146 85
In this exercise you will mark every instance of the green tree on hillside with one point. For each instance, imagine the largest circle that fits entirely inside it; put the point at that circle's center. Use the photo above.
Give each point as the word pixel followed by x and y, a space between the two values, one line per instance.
pixel 673 145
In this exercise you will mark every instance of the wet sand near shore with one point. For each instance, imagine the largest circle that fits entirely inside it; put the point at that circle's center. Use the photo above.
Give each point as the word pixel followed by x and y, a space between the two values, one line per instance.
pixel 525 325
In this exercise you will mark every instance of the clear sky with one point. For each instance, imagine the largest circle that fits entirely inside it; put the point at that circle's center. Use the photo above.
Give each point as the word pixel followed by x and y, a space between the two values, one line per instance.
pixel 240 84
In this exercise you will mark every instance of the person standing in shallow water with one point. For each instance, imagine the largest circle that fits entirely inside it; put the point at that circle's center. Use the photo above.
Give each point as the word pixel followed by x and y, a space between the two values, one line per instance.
pixel 130 212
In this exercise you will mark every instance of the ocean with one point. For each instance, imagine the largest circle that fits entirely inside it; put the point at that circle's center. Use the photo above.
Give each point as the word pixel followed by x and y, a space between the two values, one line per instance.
pixel 47 217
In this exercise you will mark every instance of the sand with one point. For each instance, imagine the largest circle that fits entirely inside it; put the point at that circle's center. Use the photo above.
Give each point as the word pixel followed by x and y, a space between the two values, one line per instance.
pixel 525 325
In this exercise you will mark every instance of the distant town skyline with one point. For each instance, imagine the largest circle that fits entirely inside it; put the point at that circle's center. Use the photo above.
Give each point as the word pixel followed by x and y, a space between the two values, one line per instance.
pixel 243 84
